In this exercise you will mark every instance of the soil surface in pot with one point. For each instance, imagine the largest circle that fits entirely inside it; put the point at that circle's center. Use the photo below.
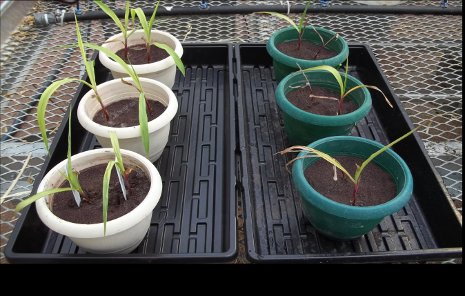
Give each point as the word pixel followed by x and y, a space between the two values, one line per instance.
pixel 125 113
pixel 315 100
pixel 307 51
pixel 91 180
pixel 137 54
pixel 376 186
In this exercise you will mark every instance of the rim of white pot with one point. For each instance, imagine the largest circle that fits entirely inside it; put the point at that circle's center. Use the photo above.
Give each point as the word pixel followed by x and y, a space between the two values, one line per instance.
pixel 114 226
pixel 136 39
pixel 127 132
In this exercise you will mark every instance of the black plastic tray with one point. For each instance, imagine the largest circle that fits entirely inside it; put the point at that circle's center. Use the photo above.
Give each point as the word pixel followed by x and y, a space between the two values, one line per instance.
pixel 195 219
pixel 276 230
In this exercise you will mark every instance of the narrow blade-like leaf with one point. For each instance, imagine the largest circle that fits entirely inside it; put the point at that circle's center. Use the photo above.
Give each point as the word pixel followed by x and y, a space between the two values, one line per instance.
pixel 371 87
pixel 116 150
pixel 111 14
pixel 174 55
pixel 80 43
pixel 39 195
pixel 72 176
pixel 126 17
pixel 331 70
pixel 143 122
pixel 116 58
pixel 369 159
pixel 312 151
pixel 152 18
pixel 282 16
pixel 91 73
pixel 143 22
pixel 105 193
pixel 42 106
pixel 347 75
pixel 304 14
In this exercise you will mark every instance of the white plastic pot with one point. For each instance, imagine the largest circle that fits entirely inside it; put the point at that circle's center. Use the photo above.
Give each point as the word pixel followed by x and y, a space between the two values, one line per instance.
pixel 123 234
pixel 130 137
pixel 163 71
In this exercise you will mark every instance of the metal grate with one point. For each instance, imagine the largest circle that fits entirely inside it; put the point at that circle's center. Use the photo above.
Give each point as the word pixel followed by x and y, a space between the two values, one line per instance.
pixel 420 54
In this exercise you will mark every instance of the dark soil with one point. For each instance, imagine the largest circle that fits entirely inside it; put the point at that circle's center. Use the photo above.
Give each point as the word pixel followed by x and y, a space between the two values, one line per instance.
pixel 125 113
pixel 91 180
pixel 137 54
pixel 376 186
pixel 307 51
pixel 307 100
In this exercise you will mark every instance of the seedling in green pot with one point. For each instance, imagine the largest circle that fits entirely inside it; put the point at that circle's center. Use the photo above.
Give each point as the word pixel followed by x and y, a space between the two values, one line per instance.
pixel 343 92
pixel 356 178
pixel 300 27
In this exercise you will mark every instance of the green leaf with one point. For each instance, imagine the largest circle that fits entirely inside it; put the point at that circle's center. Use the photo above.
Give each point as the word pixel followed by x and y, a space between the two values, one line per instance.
pixel 105 193
pixel 89 65
pixel 347 75
pixel 331 70
pixel 38 196
pixel 111 14
pixel 144 24
pixel 126 18
pixel 152 19
pixel 359 170
pixel 143 122
pixel 116 150
pixel 71 175
pixel 129 70
pixel 42 106
pixel 91 73
pixel 284 17
pixel 174 55
pixel 302 17
pixel 80 43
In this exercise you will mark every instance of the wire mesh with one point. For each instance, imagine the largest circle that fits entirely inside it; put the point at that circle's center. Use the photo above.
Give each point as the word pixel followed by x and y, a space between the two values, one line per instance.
pixel 420 54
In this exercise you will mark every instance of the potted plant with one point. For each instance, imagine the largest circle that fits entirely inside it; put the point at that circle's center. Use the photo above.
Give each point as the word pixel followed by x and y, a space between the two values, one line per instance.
pixel 141 108
pixel 304 45
pixel 120 95
pixel 154 54
pixel 320 102
pixel 99 212
pixel 344 204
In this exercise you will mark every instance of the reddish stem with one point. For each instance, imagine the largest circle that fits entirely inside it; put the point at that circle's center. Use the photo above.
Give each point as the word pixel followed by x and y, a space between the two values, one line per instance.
pixel 126 50
pixel 354 195
pixel 105 112
pixel 340 103
pixel 149 58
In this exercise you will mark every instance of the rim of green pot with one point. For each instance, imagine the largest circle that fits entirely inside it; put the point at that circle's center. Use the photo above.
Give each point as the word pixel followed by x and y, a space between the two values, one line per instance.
pixel 354 212
pixel 291 61
pixel 317 119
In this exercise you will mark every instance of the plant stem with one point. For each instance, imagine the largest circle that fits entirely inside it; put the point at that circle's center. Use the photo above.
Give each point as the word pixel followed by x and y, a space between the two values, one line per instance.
pixel 104 109
pixel 149 58
pixel 126 50
pixel 354 195
pixel 339 109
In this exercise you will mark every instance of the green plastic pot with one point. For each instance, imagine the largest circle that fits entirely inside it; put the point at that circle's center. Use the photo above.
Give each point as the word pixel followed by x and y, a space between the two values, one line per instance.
pixel 304 127
pixel 342 221
pixel 284 65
